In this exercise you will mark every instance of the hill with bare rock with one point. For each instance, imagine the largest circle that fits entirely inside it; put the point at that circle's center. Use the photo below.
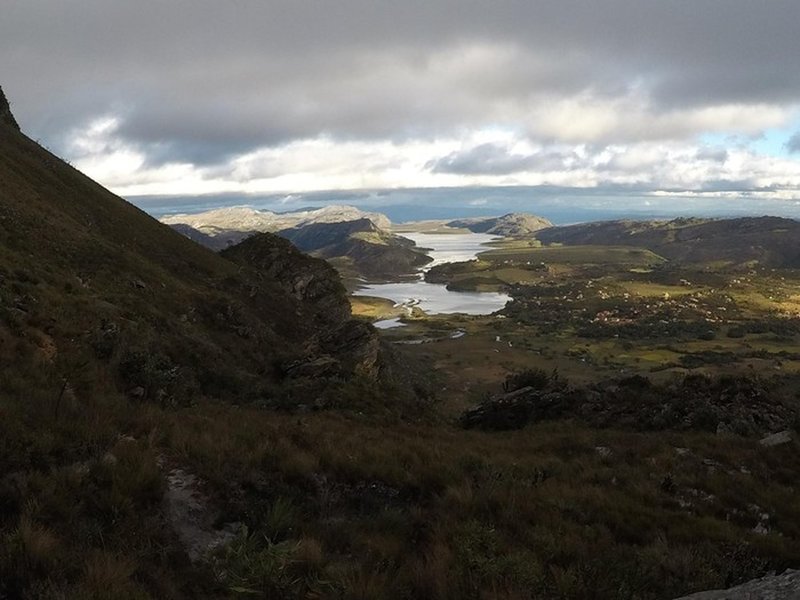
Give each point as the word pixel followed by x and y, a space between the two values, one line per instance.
pixel 510 225
pixel 232 224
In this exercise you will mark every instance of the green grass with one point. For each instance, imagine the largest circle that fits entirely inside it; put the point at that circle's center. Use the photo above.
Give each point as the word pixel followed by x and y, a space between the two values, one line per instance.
pixel 581 255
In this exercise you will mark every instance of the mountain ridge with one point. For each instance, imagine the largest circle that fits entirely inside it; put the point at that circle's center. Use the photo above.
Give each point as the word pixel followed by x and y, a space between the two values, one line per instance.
pixel 233 220
pixel 768 241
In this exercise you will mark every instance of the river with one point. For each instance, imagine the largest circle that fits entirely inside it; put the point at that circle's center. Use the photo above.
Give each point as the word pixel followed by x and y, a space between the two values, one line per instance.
pixel 435 298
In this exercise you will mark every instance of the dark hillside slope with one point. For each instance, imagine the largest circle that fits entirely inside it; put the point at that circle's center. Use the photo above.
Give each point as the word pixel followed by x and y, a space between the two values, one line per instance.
pixel 199 237
pixel 769 241
pixel 86 276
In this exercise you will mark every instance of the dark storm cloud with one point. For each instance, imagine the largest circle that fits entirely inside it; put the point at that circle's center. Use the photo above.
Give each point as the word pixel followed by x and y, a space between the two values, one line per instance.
pixel 203 80
pixel 486 159
pixel 497 159
pixel 718 155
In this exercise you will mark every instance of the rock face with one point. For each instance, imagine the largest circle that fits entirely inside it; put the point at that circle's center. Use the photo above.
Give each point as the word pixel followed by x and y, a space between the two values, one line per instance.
pixel 772 587
pixel 310 280
pixel 6 117
pixel 357 347
pixel 342 345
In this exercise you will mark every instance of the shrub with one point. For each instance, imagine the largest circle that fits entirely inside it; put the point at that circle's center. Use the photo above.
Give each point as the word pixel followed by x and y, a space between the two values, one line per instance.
pixel 538 379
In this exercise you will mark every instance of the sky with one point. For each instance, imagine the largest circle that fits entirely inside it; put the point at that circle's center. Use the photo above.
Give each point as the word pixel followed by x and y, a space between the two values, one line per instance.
pixel 674 103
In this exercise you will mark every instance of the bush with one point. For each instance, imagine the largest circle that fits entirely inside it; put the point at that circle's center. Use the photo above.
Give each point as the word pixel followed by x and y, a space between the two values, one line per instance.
pixel 537 379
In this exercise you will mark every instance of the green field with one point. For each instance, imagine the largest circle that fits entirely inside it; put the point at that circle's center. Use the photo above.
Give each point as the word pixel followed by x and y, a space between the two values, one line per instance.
pixel 575 255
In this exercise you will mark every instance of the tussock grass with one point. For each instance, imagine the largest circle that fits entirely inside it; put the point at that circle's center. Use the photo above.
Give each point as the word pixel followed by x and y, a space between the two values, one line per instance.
pixel 337 504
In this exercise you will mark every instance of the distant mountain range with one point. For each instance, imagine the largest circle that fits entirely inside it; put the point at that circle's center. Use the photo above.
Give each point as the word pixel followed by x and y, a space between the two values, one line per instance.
pixel 232 224
pixel 356 242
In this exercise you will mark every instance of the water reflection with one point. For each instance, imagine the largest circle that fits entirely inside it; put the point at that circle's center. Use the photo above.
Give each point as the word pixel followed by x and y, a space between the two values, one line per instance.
pixel 434 298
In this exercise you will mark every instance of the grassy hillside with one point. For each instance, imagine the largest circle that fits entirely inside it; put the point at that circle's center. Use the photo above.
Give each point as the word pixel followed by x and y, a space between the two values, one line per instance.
pixel 765 241
pixel 107 315
pixel 85 273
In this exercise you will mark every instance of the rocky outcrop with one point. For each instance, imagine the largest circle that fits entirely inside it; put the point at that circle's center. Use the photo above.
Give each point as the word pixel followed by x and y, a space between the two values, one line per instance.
pixel 341 345
pixel 741 406
pixel 516 409
pixel 777 439
pixel 357 347
pixel 738 405
pixel 310 280
pixel 772 587
pixel 354 348
pixel 6 117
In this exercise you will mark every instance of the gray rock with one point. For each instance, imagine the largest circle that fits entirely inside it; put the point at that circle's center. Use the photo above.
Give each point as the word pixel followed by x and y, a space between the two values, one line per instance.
pixel 772 587
pixel 777 439
pixel 190 513
pixel 516 409
pixel 603 451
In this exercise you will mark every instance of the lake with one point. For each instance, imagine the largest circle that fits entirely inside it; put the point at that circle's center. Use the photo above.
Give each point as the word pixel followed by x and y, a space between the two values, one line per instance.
pixel 434 298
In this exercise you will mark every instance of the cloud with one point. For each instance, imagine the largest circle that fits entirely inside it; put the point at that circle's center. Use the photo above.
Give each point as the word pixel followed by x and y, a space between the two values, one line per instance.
pixel 485 159
pixel 793 145
pixel 717 155
pixel 295 93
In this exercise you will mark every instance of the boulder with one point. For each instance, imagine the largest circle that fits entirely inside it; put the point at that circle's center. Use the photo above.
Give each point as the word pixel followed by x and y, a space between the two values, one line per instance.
pixel 516 409
pixel 772 587
pixel 777 439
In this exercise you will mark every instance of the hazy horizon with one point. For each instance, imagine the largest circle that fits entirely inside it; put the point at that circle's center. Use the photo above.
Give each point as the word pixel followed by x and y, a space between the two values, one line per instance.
pixel 562 207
